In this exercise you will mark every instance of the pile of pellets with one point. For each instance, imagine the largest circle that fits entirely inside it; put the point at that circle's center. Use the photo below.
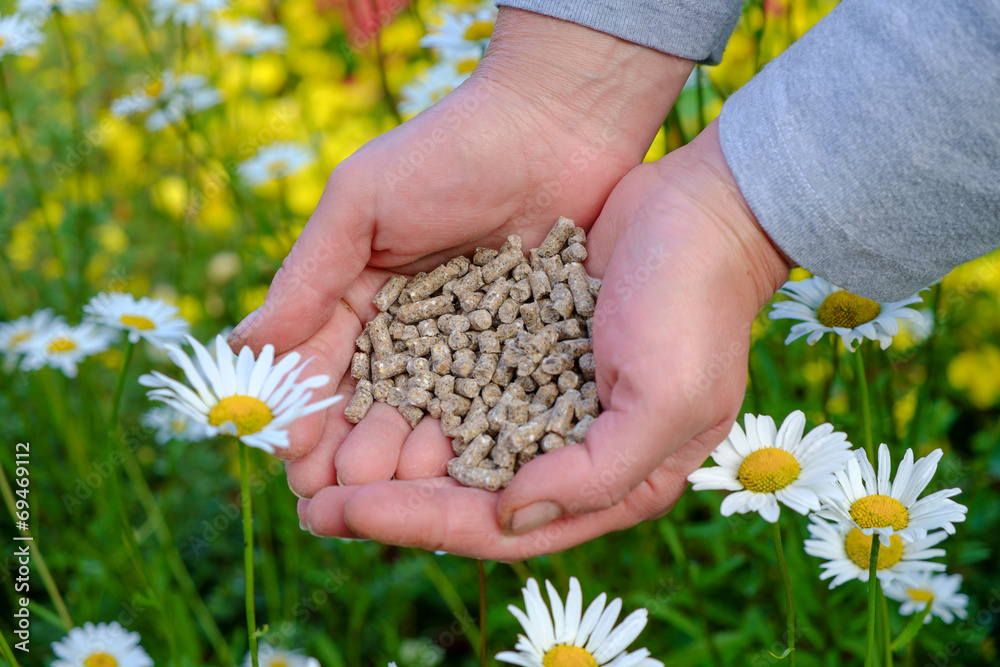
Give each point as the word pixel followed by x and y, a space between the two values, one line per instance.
pixel 498 348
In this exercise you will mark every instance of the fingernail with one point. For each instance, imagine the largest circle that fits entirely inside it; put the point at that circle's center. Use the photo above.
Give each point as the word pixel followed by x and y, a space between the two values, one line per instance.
pixel 244 326
pixel 534 516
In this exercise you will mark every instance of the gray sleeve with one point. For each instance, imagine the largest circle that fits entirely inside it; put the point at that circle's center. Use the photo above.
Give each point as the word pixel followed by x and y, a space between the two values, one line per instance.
pixel 693 29
pixel 870 150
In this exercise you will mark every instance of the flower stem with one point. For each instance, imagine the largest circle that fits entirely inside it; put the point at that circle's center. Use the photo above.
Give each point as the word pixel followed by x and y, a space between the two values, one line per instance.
pixel 786 581
pixel 7 652
pixel 481 567
pixel 116 403
pixel 872 602
pixel 866 408
pixel 248 550
pixel 886 630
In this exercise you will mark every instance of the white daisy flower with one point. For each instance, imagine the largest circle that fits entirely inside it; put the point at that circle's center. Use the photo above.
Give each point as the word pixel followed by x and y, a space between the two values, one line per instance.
pixel 254 400
pixel 431 86
pixel 101 645
pixel 848 553
pixel 63 347
pixel 16 336
pixel 463 36
pixel 275 161
pixel 41 9
pixel 170 424
pixel 823 308
pixel 915 592
pixel 154 320
pixel 566 638
pixel 269 656
pixel 873 504
pixel 250 37
pixel 168 99
pixel 18 36
pixel 767 465
pixel 186 12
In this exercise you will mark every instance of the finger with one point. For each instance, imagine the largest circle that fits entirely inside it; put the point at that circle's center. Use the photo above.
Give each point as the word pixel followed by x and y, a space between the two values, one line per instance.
pixel 623 446
pixel 425 453
pixel 330 253
pixel 370 452
pixel 316 470
pixel 439 515
pixel 323 514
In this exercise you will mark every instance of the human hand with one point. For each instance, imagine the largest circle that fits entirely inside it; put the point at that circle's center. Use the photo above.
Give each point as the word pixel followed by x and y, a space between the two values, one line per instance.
pixel 686 267
pixel 550 121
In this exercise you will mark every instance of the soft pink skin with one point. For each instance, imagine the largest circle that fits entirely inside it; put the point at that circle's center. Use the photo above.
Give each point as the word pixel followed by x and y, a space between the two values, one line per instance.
pixel 685 268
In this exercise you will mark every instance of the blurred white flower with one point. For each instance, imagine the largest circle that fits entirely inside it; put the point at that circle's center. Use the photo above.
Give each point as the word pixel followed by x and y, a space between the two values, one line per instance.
pixel 462 36
pixel 269 656
pixel 185 12
pixel 18 36
pixel 940 591
pixel 156 321
pixel 16 336
pixel 275 161
pixel 64 347
pixel 250 37
pixel 168 99
pixel 430 86
pixel 170 424
pixel 101 645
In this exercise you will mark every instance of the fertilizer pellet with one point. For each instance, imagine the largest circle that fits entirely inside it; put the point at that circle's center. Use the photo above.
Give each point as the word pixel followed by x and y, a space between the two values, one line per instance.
pixel 497 348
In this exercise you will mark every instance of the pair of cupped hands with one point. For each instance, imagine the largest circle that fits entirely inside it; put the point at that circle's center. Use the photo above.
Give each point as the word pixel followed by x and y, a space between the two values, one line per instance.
pixel 554 121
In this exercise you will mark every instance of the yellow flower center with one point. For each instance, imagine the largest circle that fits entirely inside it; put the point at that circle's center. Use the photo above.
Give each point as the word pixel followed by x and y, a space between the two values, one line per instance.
pixel 767 470
pixel 277 166
pixel 568 656
pixel 920 595
pixel 137 322
pixel 859 549
pixel 155 88
pixel 178 425
pixel 2 41
pixel 466 66
pixel 100 660
pixel 843 309
pixel 248 413
pixel 278 663
pixel 479 30
pixel 61 344
pixel 17 339
pixel 879 511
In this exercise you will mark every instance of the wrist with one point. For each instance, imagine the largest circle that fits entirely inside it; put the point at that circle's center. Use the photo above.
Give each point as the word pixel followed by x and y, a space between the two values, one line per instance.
pixel 586 80
pixel 699 175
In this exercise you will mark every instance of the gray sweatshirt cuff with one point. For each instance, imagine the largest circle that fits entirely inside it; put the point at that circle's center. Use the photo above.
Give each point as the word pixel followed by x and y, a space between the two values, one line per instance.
pixel 693 29
pixel 869 151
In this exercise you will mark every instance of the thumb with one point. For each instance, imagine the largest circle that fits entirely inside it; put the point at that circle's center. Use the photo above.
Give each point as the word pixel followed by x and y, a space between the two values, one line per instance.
pixel 331 252
pixel 623 447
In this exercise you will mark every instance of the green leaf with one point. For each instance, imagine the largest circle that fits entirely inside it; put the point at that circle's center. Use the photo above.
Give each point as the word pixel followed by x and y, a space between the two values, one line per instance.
pixel 911 629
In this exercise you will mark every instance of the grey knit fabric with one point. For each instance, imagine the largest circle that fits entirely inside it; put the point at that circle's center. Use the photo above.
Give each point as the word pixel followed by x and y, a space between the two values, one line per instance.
pixel 693 29
pixel 870 150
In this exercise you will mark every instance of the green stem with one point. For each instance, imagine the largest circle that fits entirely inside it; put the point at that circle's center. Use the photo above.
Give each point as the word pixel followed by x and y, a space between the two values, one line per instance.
pixel 248 551
pixel 786 581
pixel 116 403
pixel 886 630
pixel 835 359
pixel 7 652
pixel 384 81
pixel 872 602
pixel 36 553
pixel 866 408
pixel 482 613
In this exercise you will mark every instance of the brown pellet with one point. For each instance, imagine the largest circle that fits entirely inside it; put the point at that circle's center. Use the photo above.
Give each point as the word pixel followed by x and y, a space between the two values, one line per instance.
pixel 552 441
pixel 540 286
pixel 574 253
pixel 470 301
pixel 386 296
pixel 509 257
pixel 481 319
pixel 579 432
pixel 583 301
pixel 496 295
pixel 380 390
pixel 444 386
pixel 587 366
pixel 463 362
pixel 455 405
pixel 411 413
pixel 556 238
pixel 467 387
pixel 360 366
pixel 508 311
pixel 489 342
pixel 485 366
pixel 476 451
pixel 491 394
pixel 440 358
pixel 521 291
pixel 378 334
pixel 360 403
pixel 568 380
pixel 484 256
pixel 489 480
pixel 390 366
pixel 364 343
pixel 421 310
